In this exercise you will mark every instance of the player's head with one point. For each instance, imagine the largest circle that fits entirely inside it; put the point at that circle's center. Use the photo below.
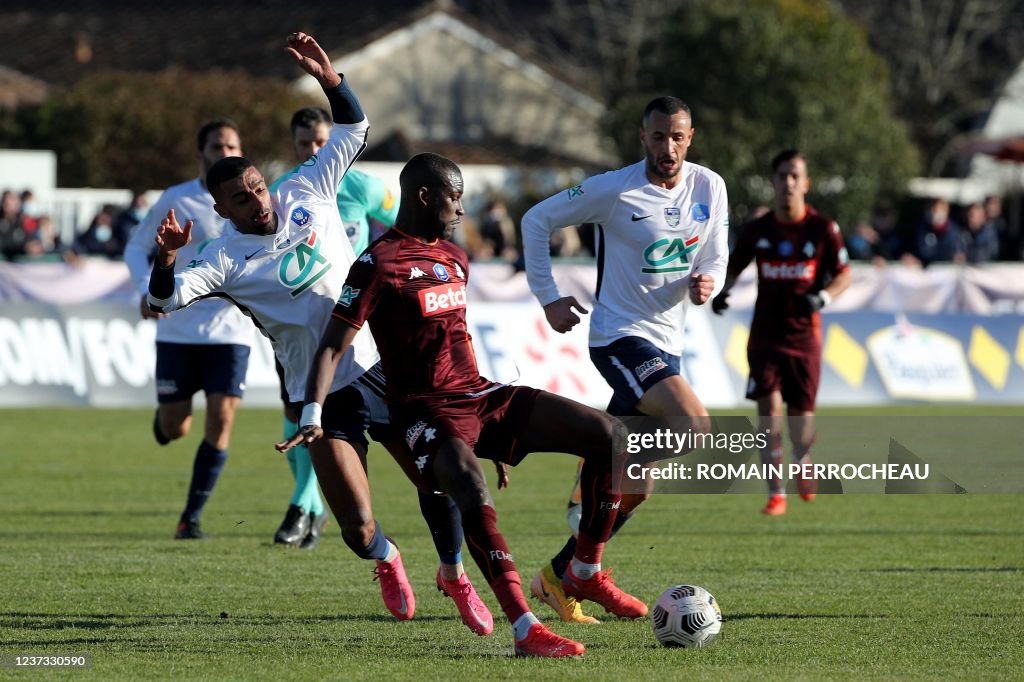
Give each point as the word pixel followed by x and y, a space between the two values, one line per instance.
pixel 790 179
pixel 311 128
pixel 665 133
pixel 432 188
pixel 216 140
pixel 240 195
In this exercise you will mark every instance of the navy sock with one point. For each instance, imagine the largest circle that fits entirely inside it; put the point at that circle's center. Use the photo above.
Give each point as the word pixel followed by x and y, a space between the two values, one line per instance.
pixel 561 560
pixel 205 470
pixel 445 524
pixel 377 549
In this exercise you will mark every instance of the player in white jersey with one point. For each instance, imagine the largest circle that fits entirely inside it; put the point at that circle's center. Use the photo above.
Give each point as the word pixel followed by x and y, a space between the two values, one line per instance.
pixel 360 196
pixel 284 264
pixel 662 231
pixel 204 348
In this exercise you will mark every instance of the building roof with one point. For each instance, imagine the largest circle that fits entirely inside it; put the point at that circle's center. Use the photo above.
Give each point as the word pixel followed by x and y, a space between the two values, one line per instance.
pixel 81 37
pixel 16 89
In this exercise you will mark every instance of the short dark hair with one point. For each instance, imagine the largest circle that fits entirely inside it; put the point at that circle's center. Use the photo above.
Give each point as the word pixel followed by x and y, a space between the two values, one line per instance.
pixel 666 104
pixel 784 156
pixel 426 170
pixel 210 126
pixel 309 117
pixel 228 168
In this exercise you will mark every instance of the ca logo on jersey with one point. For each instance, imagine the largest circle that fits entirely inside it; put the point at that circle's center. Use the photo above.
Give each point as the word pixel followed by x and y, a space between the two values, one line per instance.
pixel 669 255
pixel 302 268
pixel 348 294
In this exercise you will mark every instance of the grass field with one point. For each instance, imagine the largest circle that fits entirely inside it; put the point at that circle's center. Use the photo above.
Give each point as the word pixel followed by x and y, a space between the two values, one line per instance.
pixel 848 587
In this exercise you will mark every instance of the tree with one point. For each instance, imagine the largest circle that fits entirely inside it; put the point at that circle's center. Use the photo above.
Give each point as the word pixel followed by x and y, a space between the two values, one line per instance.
pixel 949 60
pixel 135 130
pixel 765 75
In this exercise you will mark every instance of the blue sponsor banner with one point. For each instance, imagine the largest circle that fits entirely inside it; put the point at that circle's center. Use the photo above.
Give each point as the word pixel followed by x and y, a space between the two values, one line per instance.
pixel 878 358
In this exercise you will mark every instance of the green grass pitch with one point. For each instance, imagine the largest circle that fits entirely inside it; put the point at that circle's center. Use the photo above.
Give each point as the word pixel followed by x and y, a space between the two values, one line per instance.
pixel 847 587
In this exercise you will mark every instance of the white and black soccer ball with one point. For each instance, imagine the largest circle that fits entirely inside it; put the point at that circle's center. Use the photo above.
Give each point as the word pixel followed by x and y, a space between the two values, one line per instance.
pixel 686 616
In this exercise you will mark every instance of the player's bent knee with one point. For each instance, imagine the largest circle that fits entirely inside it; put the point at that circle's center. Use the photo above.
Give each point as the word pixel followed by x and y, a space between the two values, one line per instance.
pixel 701 424
pixel 174 426
pixel 464 484
pixel 606 436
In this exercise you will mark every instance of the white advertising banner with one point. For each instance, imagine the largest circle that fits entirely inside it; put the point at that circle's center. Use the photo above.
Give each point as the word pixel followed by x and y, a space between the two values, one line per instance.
pixel 514 344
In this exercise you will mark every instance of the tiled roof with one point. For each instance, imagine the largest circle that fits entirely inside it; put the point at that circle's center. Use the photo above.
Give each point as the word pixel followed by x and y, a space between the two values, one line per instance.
pixel 60 41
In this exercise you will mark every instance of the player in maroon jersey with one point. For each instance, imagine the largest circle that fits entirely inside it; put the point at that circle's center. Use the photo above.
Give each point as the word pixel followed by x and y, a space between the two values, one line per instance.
pixel 801 267
pixel 410 285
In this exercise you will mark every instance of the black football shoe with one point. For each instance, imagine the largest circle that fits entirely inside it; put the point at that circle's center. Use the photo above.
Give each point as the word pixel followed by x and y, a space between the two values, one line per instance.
pixel 316 528
pixel 294 527
pixel 189 530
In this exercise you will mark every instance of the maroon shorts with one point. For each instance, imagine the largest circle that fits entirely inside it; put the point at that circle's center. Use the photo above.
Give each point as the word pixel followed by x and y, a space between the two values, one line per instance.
pixel 795 376
pixel 490 422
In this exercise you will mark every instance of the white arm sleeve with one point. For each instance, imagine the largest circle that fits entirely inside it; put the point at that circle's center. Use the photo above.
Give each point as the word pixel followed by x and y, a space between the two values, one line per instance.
pixel 589 202
pixel 323 172
pixel 713 258
pixel 192 284
pixel 139 250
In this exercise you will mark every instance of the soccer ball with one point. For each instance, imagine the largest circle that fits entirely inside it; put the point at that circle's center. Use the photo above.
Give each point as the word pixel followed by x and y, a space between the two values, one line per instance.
pixel 686 616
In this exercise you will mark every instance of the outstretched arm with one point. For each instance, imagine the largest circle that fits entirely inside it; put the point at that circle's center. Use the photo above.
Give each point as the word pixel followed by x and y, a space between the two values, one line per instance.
pixel 322 174
pixel 337 339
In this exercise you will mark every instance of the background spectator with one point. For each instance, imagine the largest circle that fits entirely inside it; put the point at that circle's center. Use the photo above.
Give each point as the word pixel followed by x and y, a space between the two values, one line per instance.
pixel 43 241
pixel 129 218
pixel 938 238
pixel 1010 247
pixel 12 229
pixel 30 211
pixel 981 240
pixel 498 233
pixel 100 239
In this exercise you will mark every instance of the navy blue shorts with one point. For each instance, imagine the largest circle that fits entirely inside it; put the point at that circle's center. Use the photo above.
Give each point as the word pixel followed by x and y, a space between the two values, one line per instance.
pixel 182 369
pixel 631 366
pixel 351 411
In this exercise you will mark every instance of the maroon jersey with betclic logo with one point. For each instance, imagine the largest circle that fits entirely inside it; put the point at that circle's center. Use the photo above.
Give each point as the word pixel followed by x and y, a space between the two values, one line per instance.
pixel 413 295
pixel 793 259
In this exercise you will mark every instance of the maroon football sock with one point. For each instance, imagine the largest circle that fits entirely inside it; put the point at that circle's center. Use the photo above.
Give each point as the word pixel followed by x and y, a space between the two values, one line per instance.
pixel 491 554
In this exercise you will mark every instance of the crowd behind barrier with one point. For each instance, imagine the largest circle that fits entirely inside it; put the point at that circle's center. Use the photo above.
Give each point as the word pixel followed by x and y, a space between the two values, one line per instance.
pixel 70 333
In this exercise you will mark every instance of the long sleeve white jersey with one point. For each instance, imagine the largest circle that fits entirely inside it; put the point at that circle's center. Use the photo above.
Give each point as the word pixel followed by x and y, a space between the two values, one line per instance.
pixel 207 322
pixel 649 241
pixel 289 281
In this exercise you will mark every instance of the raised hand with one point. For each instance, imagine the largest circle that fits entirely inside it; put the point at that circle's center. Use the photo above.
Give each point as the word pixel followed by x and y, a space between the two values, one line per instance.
pixel 308 54
pixel 171 236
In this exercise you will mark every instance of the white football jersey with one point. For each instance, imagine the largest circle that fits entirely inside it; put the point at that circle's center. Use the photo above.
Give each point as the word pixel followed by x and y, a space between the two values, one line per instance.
pixel 649 241
pixel 207 322
pixel 289 281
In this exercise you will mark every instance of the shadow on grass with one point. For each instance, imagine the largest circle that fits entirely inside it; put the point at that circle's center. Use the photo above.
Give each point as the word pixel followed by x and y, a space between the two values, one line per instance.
pixel 802 616
pixel 947 569
pixel 104 621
